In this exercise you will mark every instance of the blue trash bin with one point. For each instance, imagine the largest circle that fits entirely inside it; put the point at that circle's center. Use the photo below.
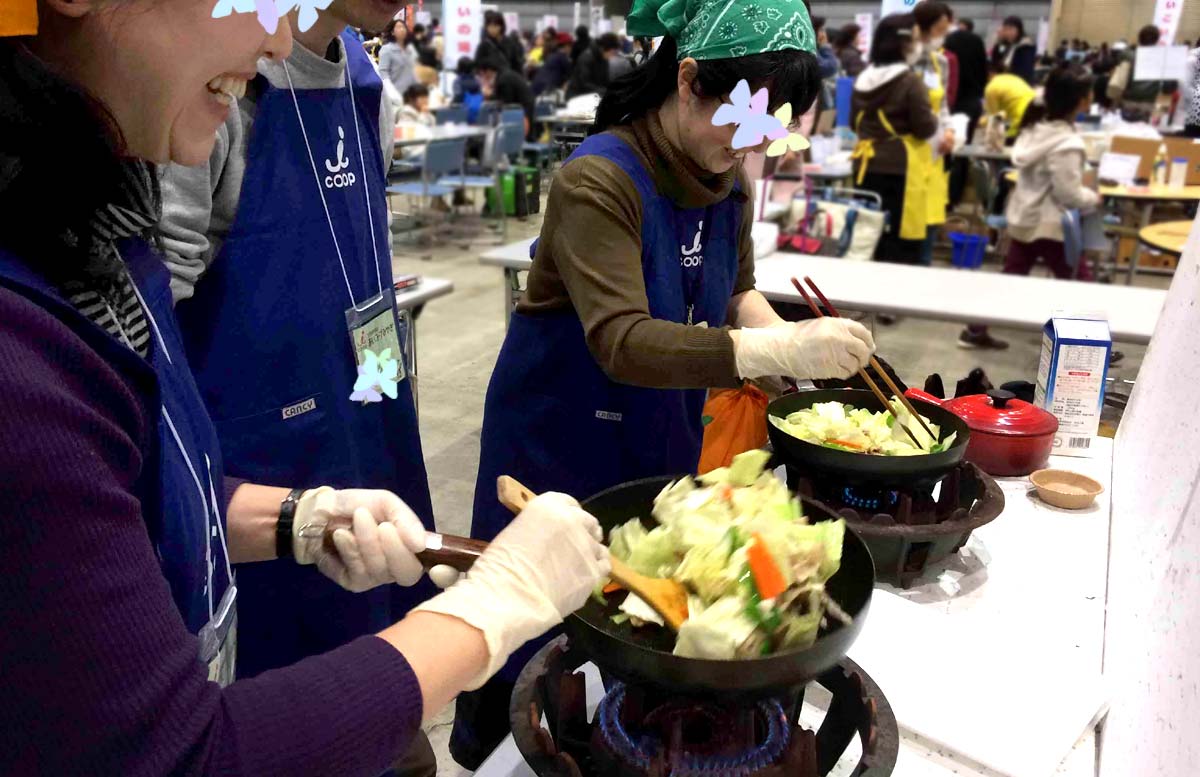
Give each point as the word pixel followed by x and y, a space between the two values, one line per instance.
pixel 966 251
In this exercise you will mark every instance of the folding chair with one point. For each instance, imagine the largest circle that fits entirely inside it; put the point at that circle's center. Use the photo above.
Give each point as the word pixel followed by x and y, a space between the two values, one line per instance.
pixel 487 115
pixel 511 115
pixel 501 144
pixel 452 114
pixel 442 157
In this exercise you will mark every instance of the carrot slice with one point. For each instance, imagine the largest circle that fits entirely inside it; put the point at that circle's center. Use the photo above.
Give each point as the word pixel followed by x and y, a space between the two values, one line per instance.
pixel 847 444
pixel 612 587
pixel 767 578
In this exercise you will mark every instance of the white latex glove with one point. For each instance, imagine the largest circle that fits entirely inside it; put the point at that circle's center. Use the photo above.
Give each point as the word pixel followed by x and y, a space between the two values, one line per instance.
pixel 540 569
pixel 381 548
pixel 815 349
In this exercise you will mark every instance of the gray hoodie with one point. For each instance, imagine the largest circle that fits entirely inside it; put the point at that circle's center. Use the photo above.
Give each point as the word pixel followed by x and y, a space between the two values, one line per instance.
pixel 1049 157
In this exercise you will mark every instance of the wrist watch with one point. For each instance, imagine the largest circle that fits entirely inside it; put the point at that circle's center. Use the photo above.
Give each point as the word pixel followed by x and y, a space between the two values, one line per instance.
pixel 283 528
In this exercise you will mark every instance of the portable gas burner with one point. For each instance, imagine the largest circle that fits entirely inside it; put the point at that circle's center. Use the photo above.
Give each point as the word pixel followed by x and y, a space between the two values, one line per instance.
pixel 643 731
pixel 912 526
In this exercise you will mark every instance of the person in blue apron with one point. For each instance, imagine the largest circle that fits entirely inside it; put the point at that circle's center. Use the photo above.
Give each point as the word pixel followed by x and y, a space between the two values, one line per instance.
pixel 118 590
pixel 645 256
pixel 281 260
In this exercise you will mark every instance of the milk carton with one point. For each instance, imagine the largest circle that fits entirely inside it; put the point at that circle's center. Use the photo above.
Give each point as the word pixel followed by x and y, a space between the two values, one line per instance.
pixel 1070 381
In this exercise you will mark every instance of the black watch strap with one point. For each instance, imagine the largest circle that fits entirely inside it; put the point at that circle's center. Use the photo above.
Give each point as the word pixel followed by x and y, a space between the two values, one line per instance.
pixel 283 529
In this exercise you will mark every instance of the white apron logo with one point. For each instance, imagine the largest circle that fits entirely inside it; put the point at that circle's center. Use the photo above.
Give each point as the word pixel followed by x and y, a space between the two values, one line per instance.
pixel 689 256
pixel 338 179
pixel 300 408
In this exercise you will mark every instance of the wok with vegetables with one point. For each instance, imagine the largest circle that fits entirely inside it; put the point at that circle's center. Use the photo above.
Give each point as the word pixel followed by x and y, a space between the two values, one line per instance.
pixel 777 587
pixel 849 433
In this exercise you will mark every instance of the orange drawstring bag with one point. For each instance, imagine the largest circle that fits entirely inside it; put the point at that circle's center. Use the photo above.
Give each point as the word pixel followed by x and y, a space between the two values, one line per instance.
pixel 735 421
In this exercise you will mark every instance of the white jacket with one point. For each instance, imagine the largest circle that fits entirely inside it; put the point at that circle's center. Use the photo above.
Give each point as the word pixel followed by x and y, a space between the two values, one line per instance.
pixel 1049 157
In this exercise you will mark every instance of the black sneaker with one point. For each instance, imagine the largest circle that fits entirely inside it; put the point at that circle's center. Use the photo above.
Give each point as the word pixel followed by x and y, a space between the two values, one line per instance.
pixel 972 340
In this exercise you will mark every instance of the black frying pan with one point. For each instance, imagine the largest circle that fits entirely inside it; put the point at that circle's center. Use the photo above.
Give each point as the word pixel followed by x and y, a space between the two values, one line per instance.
pixel 865 468
pixel 643 655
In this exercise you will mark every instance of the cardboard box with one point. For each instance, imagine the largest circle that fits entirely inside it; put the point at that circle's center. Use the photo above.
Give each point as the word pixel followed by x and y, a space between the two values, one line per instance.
pixel 1070 381
pixel 1189 149
pixel 1147 150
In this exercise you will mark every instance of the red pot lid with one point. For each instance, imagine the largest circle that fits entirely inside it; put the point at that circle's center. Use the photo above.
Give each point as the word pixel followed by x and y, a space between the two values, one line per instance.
pixel 1000 412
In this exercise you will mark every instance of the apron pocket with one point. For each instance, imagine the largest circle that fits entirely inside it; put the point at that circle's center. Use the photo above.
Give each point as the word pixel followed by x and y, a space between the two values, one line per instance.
pixel 284 446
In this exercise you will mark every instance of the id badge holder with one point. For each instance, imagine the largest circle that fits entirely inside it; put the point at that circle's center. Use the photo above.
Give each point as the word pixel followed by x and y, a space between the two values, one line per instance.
pixel 218 639
pixel 376 329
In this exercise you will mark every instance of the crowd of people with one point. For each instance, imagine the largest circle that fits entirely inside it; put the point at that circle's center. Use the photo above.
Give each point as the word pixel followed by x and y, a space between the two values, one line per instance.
pixel 512 67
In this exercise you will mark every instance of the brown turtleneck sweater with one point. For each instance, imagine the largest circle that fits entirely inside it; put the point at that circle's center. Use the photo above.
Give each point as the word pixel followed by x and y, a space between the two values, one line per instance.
pixel 589 258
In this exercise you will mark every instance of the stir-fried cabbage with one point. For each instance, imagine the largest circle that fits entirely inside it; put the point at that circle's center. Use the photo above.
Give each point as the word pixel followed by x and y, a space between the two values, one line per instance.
pixel 858 430
pixel 735 536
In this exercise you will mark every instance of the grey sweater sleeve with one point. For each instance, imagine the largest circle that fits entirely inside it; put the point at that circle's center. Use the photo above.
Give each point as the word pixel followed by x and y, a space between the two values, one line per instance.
pixel 199 205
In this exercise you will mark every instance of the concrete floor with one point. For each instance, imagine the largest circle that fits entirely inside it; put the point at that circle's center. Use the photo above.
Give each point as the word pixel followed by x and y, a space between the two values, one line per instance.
pixel 460 335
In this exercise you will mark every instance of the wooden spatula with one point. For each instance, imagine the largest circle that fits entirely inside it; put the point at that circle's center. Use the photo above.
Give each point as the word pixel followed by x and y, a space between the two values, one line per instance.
pixel 666 597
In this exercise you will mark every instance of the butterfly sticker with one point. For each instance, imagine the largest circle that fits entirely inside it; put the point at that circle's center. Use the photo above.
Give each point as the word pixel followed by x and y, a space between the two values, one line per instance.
pixel 308 10
pixel 271 11
pixel 792 141
pixel 376 377
pixel 750 114
pixel 268 13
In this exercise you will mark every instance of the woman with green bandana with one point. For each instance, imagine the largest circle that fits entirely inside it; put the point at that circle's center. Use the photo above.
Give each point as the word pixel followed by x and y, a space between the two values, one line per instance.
pixel 641 295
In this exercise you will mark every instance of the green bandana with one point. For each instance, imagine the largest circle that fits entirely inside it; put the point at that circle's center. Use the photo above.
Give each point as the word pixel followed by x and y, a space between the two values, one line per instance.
pixel 725 29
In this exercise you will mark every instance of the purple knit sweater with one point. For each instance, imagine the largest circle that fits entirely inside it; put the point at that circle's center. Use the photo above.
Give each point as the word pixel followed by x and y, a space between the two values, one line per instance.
pixel 98 674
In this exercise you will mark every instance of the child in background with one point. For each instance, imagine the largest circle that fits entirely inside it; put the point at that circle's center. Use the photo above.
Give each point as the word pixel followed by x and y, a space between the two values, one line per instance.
pixel 1049 156
pixel 416 106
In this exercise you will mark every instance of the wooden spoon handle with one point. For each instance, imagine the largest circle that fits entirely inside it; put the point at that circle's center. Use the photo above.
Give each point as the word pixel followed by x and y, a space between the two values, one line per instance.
pixel 512 494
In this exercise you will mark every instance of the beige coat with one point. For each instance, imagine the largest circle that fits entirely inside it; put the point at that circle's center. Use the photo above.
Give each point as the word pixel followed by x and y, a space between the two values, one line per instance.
pixel 1049 157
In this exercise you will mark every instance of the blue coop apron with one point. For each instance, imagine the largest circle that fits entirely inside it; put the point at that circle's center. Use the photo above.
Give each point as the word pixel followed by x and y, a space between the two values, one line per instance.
pixel 268 336
pixel 181 477
pixel 553 419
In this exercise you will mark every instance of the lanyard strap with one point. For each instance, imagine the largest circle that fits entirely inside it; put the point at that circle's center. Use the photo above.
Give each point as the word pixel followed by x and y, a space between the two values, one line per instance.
pixel 317 179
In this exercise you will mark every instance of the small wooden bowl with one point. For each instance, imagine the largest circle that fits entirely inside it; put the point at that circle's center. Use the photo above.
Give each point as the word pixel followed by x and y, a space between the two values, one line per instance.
pixel 1065 489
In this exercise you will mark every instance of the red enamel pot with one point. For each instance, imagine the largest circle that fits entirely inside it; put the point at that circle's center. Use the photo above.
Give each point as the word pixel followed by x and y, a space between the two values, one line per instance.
pixel 1009 437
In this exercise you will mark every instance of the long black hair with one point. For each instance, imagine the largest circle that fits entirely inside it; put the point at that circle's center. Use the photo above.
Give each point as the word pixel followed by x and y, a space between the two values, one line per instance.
pixel 1066 87
pixel 42 114
pixel 791 76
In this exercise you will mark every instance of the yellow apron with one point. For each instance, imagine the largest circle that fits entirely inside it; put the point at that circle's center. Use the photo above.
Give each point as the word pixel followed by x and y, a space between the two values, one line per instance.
pixel 919 172
pixel 938 198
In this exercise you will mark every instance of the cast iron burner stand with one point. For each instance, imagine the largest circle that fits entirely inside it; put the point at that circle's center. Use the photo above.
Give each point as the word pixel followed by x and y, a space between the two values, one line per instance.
pixel 905 527
pixel 643 731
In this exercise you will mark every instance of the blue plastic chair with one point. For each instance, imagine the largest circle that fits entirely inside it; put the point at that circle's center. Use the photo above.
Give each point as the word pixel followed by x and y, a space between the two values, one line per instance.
pixel 441 158
pixel 510 115
pixel 1072 227
pixel 453 114
pixel 487 115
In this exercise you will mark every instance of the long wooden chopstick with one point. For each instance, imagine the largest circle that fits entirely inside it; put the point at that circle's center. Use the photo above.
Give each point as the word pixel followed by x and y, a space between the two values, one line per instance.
pixel 862 373
pixel 891 384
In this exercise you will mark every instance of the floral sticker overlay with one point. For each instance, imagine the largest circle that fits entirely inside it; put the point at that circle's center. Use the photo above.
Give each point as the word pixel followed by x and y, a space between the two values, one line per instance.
pixel 376 377
pixel 271 11
pixel 754 124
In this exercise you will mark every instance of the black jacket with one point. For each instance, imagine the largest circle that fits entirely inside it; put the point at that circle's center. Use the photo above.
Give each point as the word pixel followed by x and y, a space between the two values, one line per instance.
pixel 1018 58
pixel 512 89
pixel 972 65
pixel 590 74
pixel 507 51
pixel 553 73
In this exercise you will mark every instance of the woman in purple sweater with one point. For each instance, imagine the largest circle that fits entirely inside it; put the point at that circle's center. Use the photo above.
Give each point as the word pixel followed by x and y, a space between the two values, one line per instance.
pixel 117 599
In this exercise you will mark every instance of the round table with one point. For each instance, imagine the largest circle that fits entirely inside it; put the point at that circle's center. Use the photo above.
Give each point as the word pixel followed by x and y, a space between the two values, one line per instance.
pixel 1147 197
pixel 1168 237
